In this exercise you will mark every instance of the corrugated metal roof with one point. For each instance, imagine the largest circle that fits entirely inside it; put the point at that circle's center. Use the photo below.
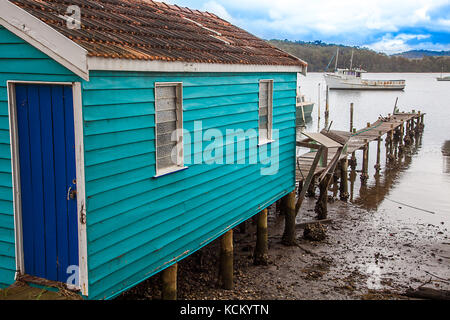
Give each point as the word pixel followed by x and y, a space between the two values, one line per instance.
pixel 150 30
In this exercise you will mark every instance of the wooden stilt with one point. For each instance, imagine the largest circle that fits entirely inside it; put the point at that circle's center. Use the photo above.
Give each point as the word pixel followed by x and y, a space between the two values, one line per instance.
pixel 312 188
pixel 344 180
pixel 289 225
pixel 401 146
pixel 169 283
pixel 391 144
pixel 378 164
pixel 351 117
pixel 322 203
pixel 260 256
pixel 226 260
pixel 365 167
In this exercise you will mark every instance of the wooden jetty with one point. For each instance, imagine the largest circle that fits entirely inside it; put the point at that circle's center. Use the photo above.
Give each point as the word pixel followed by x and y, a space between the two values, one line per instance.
pixel 399 128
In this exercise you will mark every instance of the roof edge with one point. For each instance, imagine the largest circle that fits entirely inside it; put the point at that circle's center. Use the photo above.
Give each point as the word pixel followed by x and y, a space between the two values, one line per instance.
pixel 110 64
pixel 44 38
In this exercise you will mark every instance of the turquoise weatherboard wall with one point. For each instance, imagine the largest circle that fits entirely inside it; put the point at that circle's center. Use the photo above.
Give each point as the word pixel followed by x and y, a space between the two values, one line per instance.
pixel 18 61
pixel 138 225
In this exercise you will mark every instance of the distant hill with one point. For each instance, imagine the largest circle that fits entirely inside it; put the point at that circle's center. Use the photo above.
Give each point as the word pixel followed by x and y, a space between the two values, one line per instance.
pixel 419 54
pixel 318 55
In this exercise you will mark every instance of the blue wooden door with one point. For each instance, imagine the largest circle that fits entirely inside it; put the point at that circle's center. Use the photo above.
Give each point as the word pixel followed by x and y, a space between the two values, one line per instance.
pixel 46 137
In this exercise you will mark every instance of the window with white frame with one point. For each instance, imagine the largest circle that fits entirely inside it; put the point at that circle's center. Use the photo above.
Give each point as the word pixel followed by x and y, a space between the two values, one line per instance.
pixel 265 111
pixel 169 127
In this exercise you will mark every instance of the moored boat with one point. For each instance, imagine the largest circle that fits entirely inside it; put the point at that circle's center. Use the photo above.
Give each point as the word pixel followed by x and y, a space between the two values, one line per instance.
pixel 351 79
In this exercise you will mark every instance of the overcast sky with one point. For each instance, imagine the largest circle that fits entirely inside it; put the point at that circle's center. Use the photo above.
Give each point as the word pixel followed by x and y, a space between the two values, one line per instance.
pixel 390 26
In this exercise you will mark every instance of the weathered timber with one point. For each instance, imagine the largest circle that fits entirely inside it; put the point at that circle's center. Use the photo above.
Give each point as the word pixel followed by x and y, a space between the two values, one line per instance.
pixel 260 256
pixel 226 260
pixel 169 283
pixel 289 235
pixel 343 188
pixel 428 293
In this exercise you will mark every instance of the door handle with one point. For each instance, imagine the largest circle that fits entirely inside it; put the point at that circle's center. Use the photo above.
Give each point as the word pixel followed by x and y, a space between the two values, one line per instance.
pixel 71 194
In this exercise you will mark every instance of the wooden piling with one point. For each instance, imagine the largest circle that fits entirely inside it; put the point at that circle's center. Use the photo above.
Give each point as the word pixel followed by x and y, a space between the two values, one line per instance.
pixel 169 283
pixel 391 143
pixel 322 203
pixel 378 164
pixel 351 117
pixel 401 142
pixel 327 106
pixel 311 193
pixel 260 256
pixel 365 166
pixel 289 224
pixel 226 260
pixel 343 195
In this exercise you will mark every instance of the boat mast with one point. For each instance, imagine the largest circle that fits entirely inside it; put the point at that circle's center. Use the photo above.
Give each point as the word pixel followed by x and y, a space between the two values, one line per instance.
pixel 337 58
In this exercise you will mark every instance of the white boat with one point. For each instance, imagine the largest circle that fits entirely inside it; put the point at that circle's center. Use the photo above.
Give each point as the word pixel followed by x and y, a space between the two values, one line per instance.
pixel 351 79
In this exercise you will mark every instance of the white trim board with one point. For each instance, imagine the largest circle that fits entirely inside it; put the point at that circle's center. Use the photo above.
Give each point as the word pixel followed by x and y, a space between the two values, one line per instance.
pixel 80 168
pixel 44 38
pixel 106 64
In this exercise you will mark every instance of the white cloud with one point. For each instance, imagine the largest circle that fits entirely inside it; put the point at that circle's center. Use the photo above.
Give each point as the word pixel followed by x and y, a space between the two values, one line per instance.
pixel 391 45
pixel 354 22
pixel 331 16
pixel 217 9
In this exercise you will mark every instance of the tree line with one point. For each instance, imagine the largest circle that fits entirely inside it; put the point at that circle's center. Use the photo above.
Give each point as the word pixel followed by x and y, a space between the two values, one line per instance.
pixel 318 55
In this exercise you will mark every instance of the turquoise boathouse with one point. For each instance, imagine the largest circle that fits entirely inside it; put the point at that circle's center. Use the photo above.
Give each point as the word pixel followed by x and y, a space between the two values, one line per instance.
pixel 133 133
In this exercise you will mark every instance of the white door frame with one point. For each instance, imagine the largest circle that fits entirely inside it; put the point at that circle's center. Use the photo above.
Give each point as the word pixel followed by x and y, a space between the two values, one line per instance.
pixel 81 194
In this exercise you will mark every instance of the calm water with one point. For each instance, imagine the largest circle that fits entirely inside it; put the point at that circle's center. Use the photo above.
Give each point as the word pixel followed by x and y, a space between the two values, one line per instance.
pixel 420 179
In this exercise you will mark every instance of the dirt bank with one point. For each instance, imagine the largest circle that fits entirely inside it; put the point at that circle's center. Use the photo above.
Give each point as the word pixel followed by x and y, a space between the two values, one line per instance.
pixel 365 256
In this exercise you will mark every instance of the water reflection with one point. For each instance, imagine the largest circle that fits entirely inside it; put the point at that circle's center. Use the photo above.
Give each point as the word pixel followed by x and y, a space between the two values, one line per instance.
pixel 370 197
pixel 446 155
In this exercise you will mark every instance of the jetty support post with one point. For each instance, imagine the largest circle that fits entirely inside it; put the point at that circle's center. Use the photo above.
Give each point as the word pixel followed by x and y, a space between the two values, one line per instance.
pixel 351 117
pixel 353 161
pixel 327 106
pixel 378 164
pixel 311 193
pixel 401 146
pixel 365 166
pixel 260 256
pixel 343 190
pixel 169 282
pixel 391 143
pixel 407 139
pixel 289 235
pixel 226 260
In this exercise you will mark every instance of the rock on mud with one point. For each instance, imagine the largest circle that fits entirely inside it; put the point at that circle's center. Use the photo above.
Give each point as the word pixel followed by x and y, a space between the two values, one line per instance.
pixel 315 232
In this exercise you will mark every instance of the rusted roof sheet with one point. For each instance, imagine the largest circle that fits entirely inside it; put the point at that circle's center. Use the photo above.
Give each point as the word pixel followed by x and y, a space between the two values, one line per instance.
pixel 150 30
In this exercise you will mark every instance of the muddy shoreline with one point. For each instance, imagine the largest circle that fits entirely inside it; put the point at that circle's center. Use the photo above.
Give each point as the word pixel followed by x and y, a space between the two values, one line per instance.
pixel 364 256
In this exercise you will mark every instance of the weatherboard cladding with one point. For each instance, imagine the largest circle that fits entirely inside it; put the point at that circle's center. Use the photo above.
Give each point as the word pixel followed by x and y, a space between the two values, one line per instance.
pixel 147 30
pixel 138 225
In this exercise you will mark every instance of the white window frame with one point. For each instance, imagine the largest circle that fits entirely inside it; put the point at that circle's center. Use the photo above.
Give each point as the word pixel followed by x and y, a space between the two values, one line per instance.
pixel 261 140
pixel 179 125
